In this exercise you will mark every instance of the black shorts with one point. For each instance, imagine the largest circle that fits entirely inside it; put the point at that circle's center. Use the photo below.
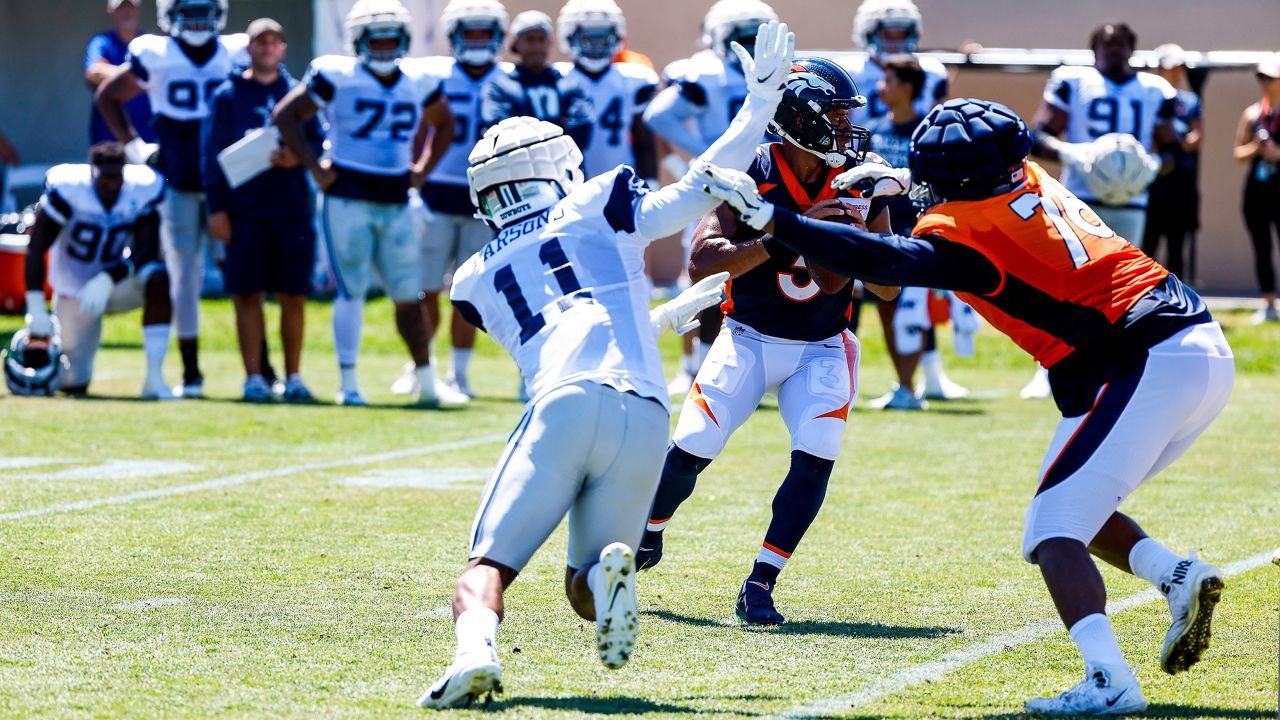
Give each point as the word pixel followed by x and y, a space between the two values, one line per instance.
pixel 274 254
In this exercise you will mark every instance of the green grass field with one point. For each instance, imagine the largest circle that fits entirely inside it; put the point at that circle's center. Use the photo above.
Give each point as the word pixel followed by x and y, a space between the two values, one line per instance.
pixel 308 571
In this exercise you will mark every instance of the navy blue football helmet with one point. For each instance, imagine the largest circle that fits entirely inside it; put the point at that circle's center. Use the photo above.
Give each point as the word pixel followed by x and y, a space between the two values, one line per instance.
pixel 967 149
pixel 816 86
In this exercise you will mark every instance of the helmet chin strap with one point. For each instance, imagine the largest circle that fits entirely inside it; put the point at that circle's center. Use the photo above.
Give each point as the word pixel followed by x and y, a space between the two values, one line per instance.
pixel 196 38
pixel 832 159
pixel 595 65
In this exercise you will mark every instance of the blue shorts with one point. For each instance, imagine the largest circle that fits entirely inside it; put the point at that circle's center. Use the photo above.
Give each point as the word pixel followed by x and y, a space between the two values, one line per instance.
pixel 270 254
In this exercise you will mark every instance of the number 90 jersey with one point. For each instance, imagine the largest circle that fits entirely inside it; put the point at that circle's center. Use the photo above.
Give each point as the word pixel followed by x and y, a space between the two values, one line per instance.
pixel 565 292
pixel 371 126
pixel 713 86
pixel 93 237
pixel 620 94
pixel 1096 106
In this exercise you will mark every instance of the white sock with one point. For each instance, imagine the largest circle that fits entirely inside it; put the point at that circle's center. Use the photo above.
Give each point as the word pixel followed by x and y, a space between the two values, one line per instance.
pixel 689 364
pixel 348 322
pixel 769 557
pixel 931 364
pixel 426 375
pixel 1149 560
pixel 155 345
pixel 461 361
pixel 1097 641
pixel 475 628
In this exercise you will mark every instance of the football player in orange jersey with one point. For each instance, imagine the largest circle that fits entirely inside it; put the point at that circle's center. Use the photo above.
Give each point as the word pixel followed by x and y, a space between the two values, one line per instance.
pixel 1137 365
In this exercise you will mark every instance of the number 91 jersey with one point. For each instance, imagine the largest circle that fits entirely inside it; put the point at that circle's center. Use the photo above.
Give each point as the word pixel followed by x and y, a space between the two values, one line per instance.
pixel 565 292
pixel 620 94
pixel 93 237
pixel 371 125
pixel 1096 106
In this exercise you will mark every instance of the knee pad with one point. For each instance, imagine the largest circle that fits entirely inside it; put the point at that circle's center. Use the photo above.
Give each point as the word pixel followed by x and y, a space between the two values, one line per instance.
pixel 820 437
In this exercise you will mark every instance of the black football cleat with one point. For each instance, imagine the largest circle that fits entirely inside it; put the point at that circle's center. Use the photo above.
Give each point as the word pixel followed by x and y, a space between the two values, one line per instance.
pixel 755 604
pixel 650 551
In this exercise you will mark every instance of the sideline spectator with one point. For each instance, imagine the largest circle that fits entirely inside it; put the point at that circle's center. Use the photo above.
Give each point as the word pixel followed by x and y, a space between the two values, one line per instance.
pixel 266 222
pixel 102 59
pixel 1256 144
pixel 1173 206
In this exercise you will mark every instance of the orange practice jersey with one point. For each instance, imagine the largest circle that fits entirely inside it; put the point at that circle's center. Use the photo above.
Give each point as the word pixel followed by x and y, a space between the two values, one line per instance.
pixel 1066 278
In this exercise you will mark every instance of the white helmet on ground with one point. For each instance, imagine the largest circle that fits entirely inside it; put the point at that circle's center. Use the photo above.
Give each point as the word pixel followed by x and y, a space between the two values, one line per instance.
pixel 194 22
pixel 459 16
pixel 371 20
pixel 873 16
pixel 521 167
pixel 34 366
pixel 1119 168
pixel 734 20
pixel 591 32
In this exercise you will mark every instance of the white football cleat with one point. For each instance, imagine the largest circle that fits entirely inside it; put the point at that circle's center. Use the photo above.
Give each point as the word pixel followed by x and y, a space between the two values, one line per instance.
pixel 1193 588
pixel 157 390
pixel 407 383
pixel 462 386
pixel 191 390
pixel 351 397
pixel 442 395
pixel 1038 388
pixel 943 388
pixel 1104 691
pixel 899 398
pixel 617 614
pixel 471 674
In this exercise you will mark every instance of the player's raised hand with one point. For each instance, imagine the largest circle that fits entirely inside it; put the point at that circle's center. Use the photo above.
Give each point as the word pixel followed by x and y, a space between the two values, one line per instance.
pixel 874 180
pixel 680 315
pixel 766 73
pixel 738 190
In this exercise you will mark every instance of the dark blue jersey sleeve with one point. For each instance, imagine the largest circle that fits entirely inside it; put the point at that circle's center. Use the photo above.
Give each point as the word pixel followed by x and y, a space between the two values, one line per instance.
pixel 886 259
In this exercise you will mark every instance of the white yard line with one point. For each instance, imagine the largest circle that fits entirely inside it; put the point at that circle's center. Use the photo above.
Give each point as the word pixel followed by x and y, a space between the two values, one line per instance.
pixel 243 478
pixel 937 669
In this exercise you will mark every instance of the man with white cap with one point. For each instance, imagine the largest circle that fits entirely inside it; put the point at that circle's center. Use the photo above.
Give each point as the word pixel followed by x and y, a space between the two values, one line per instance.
pixel 535 88
pixel 1173 205
pixel 105 53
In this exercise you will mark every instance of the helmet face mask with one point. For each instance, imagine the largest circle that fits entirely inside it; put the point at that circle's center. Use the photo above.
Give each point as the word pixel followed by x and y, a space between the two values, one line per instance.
pixel 383 61
pixel 814 113
pixel 475 30
pixel 521 167
pixel 591 32
pixel 734 20
pixel 372 21
pixel 503 205
pixel 593 48
pixel 194 22
pixel 887 27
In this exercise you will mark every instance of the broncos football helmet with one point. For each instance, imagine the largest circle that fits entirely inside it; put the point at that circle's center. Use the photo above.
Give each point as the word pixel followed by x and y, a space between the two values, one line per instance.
pixel 34 366
pixel 875 16
pixel 967 149
pixel 591 32
pixel 460 16
pixel 194 22
pixel 815 87
pixel 737 21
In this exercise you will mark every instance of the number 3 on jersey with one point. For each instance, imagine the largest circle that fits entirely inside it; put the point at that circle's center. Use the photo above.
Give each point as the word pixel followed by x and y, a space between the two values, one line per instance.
pixel 504 281
pixel 1069 218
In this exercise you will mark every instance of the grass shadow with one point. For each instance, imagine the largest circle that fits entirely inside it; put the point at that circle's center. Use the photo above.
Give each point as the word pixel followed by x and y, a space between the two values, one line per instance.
pixel 835 628
pixel 617 705
pixel 1156 711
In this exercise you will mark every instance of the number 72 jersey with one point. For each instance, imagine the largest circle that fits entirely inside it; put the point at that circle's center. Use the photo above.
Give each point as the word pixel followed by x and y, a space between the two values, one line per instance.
pixel 565 292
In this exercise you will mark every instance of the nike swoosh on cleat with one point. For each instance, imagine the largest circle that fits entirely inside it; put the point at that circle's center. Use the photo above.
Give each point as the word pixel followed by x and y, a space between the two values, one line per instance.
pixel 1116 699
pixel 765 586
pixel 616 589
pixel 437 694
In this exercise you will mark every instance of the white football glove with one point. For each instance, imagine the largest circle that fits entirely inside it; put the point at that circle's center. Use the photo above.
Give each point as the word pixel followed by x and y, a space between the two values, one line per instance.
pixel 766 73
pixel 874 180
pixel 39 323
pixel 139 151
pixel 95 294
pixel 737 189
pixel 680 315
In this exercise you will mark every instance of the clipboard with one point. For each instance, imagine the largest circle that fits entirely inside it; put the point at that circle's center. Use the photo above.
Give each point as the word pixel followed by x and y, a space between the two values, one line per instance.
pixel 250 156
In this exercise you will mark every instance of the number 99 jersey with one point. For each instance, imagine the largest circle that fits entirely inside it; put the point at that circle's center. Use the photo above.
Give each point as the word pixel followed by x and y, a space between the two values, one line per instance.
pixel 1096 106
pixel 93 237
pixel 371 125
pixel 565 292
pixel 618 96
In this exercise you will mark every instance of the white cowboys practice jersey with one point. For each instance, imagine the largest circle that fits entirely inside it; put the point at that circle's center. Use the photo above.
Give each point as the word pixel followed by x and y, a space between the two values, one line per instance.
pixel 618 96
pixel 867 74
pixel 93 237
pixel 464 95
pixel 721 86
pixel 565 292
pixel 178 88
pixel 371 126
pixel 1096 106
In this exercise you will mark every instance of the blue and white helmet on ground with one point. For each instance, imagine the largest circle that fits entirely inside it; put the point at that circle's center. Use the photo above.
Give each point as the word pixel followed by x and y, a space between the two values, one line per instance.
pixel 371 20
pixel 876 16
pixel 521 167
pixel 968 149
pixel 34 366
pixel 194 22
pixel 591 32
pixel 461 16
